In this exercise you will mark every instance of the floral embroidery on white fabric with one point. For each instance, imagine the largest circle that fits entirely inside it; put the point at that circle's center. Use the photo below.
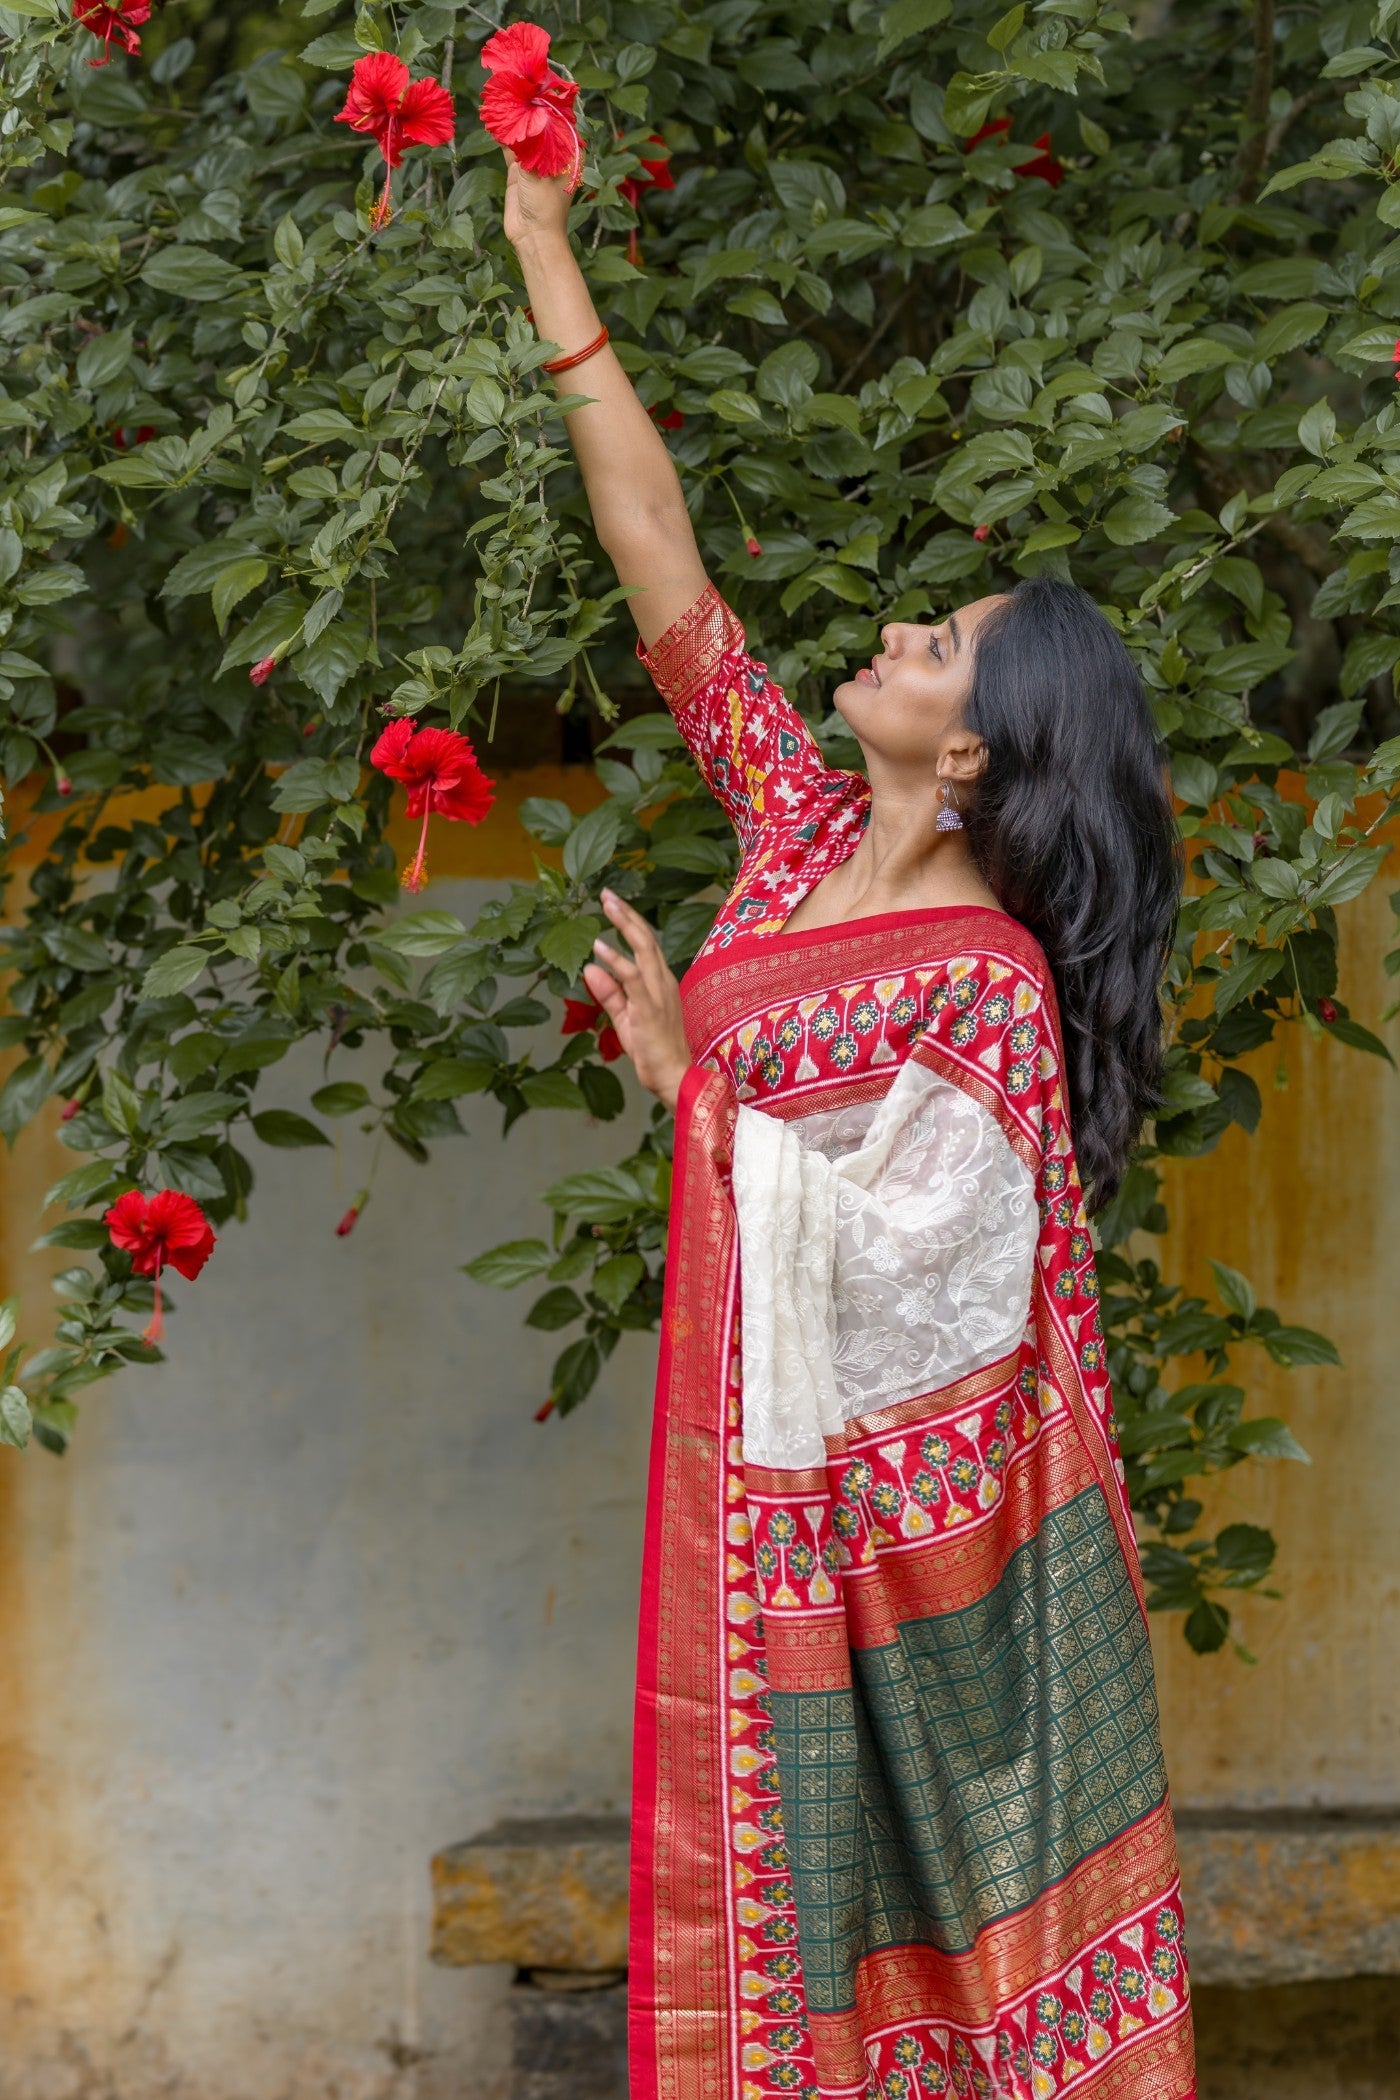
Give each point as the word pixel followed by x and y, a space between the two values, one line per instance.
pixel 886 1250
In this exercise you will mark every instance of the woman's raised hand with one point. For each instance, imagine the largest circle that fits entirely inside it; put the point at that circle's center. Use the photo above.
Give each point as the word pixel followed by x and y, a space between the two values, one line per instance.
pixel 536 205
pixel 642 1000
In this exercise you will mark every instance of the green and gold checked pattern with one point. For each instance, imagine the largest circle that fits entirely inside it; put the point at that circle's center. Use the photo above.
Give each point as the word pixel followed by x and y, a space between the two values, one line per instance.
pixel 983 1754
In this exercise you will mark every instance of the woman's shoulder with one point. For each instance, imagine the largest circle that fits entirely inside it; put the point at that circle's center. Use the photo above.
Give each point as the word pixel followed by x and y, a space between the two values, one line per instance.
pixel 988 932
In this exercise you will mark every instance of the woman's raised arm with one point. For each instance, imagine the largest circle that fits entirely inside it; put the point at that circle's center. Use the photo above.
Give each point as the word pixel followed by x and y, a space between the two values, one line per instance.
pixel 633 489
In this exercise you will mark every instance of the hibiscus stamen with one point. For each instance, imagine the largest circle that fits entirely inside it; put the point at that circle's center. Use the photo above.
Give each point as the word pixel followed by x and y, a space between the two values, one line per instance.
pixel 154 1329
pixel 384 204
pixel 415 875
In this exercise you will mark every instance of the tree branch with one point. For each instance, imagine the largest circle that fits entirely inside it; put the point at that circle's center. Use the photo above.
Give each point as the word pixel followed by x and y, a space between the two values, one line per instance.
pixel 1261 89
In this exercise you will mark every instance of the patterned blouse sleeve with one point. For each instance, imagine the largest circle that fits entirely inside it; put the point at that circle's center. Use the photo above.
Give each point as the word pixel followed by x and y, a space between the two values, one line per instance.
pixel 748 740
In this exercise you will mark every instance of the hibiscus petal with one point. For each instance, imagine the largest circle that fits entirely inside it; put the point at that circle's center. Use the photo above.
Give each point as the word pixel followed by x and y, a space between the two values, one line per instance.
pixel 426 115
pixel 523 47
pixel 390 748
pixel 553 150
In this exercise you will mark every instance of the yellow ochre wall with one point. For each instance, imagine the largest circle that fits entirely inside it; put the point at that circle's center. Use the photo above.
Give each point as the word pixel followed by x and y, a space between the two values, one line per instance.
pixel 1309 1209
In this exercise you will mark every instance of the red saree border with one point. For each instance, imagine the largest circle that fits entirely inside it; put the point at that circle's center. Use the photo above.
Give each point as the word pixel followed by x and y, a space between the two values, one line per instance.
pixel 678 2000
pixel 720 990
pixel 917 1985
pixel 896 1984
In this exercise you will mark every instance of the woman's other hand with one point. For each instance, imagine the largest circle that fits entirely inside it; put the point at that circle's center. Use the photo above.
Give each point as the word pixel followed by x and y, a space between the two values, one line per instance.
pixel 537 206
pixel 642 1000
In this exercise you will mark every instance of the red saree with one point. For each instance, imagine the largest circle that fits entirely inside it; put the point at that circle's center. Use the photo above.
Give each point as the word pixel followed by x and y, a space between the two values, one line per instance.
pixel 900 1824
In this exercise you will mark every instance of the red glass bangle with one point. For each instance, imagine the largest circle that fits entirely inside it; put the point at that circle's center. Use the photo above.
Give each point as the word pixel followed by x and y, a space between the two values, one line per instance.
pixel 566 364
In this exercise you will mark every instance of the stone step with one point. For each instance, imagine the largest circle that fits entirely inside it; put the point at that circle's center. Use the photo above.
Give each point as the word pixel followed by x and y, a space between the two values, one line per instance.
pixel 1270 1898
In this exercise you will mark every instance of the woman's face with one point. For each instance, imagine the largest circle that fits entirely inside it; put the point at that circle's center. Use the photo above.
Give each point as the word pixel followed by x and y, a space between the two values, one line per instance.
pixel 906 708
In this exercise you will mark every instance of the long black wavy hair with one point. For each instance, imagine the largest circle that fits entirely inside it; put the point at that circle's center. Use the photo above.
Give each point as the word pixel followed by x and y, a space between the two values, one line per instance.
pixel 1071 826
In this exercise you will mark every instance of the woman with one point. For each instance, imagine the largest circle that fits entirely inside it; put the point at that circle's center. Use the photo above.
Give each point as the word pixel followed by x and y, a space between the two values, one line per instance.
pixel 900 1822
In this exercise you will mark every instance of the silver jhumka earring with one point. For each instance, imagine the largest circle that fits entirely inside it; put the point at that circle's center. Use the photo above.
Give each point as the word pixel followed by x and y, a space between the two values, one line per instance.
pixel 948 818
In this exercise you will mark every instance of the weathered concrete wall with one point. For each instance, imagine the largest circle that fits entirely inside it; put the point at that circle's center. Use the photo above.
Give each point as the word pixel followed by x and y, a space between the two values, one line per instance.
pixel 297 1610
pixel 320 1598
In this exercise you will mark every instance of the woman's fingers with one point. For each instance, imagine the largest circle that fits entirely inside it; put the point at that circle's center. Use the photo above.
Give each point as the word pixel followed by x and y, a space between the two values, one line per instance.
pixel 640 938
pixel 622 967
pixel 604 987
pixel 627 921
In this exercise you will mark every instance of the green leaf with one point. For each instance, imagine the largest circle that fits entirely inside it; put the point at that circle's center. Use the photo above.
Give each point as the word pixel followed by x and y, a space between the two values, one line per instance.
pixel 1358 1038
pixel 906 18
pixel 604 1196
pixel 590 845
pixel 175 971
pixel 575 1374
pixel 22 1095
pixel 104 358
pixel 509 1264
pixel 1267 1437
pixel 447 1077
pixel 615 1279
pixel 341 1098
pixel 1199 353
pixel 551 1090
pixel 1236 1291
pixel 1207 1628
pixel 568 943
pixel 557 1308
pixel 190 273
pixel 16 1422
pixel 1300 1345
pixel 1137 518
pixel 422 933
pixel 234 583
pixel 285 1128
pixel 287 243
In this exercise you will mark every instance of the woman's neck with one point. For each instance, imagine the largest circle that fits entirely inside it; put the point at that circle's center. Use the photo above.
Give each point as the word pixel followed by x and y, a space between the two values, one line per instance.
pixel 902 863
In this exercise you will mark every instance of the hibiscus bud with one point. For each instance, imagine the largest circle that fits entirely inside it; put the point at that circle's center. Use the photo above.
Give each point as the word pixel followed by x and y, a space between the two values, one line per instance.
pixel 542 1414
pixel 752 548
pixel 1260 843
pixel 1327 1010
pixel 64 784
pixel 262 670
pixel 116 538
pixel 347 1223
pixel 980 533
pixel 70 1109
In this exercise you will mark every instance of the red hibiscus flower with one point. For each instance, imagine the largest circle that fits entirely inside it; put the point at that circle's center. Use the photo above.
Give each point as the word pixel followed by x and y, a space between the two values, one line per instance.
pixel 154 1230
pixel 529 107
pixel 396 112
pixel 581 1016
pixel 440 771
pixel 146 431
pixel 112 18
pixel 1039 162
pixel 655 175
pixel 262 670
pixel 672 420
pixel 979 533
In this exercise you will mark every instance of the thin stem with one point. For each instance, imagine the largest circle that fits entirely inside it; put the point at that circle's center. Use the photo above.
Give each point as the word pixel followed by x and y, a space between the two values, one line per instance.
pixel 1256 116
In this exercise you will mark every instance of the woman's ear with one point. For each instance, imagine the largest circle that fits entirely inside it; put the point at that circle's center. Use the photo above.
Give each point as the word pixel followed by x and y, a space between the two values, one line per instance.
pixel 963 759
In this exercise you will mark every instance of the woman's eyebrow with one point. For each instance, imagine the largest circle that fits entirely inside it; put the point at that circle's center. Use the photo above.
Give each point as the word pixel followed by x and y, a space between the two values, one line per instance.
pixel 953 630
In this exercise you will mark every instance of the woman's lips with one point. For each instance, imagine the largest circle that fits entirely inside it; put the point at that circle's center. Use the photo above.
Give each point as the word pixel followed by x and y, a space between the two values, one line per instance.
pixel 867 675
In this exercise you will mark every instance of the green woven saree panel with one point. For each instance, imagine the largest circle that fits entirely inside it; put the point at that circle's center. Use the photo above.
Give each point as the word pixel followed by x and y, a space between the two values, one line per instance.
pixel 983 1753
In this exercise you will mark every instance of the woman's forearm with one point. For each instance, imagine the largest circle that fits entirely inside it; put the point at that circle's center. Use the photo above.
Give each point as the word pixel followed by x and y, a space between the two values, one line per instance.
pixel 628 474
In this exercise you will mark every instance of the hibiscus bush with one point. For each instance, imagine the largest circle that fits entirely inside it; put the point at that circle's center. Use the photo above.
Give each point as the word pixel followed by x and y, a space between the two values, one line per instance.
pixel 926 295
